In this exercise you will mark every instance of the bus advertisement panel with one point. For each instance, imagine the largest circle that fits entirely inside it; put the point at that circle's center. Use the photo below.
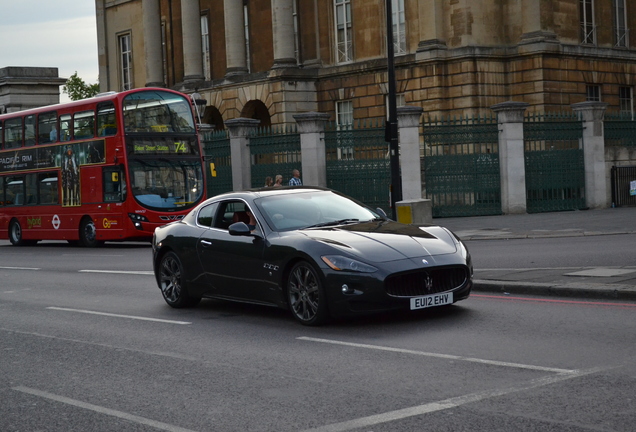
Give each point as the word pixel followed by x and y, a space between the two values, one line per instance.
pixel 109 168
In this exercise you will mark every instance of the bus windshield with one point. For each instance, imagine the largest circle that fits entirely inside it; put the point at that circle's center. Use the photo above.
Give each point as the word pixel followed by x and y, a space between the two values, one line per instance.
pixel 166 184
pixel 157 111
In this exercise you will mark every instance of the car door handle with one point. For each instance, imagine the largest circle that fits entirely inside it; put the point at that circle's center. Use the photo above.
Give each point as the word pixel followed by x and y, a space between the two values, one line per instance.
pixel 206 243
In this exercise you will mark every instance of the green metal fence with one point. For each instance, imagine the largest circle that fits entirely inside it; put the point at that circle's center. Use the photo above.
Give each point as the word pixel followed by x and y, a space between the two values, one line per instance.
pixel 358 162
pixel 555 170
pixel 619 129
pixel 274 150
pixel 218 162
pixel 461 166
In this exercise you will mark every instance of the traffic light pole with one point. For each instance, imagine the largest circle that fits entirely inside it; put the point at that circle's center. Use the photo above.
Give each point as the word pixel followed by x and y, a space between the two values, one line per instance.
pixel 391 133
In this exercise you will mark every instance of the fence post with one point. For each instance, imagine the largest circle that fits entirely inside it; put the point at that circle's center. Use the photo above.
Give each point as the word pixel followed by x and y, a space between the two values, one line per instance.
pixel 311 126
pixel 593 152
pixel 511 156
pixel 239 130
pixel 410 161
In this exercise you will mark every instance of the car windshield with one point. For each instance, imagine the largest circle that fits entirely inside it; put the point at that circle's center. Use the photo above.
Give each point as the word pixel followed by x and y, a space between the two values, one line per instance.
pixel 166 184
pixel 312 209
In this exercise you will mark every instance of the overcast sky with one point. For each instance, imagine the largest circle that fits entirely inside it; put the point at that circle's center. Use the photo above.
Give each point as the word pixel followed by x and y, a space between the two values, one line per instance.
pixel 50 33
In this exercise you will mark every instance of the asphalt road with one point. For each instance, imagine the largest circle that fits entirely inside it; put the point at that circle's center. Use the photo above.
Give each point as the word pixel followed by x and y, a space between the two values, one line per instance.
pixel 87 344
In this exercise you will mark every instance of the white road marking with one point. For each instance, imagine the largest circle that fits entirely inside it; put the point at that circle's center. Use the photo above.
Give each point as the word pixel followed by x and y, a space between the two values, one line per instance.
pixel 102 410
pixel 437 355
pixel 119 316
pixel 145 273
pixel 447 403
pixel 20 268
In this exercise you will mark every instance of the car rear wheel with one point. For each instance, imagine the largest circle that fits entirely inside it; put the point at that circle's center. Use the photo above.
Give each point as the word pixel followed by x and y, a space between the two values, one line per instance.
pixel 306 295
pixel 172 282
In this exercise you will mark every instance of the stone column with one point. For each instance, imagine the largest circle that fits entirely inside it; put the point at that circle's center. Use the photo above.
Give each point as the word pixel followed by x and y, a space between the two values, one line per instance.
pixel 410 162
pixel 102 48
pixel 431 19
pixel 283 30
pixel 191 30
pixel 152 43
pixel 234 37
pixel 311 126
pixel 412 209
pixel 239 130
pixel 593 152
pixel 511 156
pixel 532 28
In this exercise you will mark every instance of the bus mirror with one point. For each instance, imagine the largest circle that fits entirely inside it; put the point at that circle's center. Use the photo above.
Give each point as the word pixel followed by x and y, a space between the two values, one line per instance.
pixel 114 176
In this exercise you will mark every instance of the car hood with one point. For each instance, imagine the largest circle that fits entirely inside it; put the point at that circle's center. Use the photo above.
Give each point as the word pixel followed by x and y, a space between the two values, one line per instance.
pixel 387 240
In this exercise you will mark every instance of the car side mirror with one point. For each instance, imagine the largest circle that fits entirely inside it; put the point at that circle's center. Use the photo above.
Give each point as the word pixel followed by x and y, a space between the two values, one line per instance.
pixel 239 229
pixel 381 212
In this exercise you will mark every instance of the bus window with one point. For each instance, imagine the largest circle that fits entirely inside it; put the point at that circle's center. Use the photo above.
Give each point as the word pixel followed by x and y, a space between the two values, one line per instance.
pixel 66 128
pixel 47 128
pixel 114 185
pixel 47 183
pixel 13 133
pixel 106 123
pixel 29 130
pixel 84 125
pixel 31 189
pixel 155 111
pixel 14 190
pixel 1 135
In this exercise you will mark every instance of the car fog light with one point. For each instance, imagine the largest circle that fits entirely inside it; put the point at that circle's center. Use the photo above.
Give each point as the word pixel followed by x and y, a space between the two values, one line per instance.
pixel 346 289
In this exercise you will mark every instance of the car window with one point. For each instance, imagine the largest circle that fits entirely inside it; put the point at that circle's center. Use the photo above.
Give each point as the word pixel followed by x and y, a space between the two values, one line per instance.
pixel 206 215
pixel 228 213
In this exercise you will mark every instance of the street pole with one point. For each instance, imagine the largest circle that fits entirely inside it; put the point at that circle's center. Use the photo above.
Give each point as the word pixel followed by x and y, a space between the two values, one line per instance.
pixel 391 133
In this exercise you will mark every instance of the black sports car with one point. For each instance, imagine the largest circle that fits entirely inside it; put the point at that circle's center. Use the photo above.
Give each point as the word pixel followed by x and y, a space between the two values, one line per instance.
pixel 311 250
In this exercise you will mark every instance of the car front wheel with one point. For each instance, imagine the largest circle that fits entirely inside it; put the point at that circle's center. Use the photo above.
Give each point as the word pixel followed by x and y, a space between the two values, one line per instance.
pixel 172 282
pixel 306 295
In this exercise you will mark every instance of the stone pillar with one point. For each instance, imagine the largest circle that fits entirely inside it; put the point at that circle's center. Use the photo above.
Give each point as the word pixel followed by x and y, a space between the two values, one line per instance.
pixel 239 130
pixel 191 30
pixel 431 19
pixel 410 162
pixel 532 28
pixel 593 152
pixel 234 37
pixel 102 48
pixel 152 43
pixel 311 126
pixel 511 156
pixel 283 30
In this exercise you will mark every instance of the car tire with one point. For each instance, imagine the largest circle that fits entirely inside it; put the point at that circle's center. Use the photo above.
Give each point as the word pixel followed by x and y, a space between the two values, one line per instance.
pixel 306 295
pixel 88 233
pixel 172 281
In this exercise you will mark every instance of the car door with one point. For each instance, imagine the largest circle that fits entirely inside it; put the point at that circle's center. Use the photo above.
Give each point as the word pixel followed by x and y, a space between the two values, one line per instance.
pixel 234 264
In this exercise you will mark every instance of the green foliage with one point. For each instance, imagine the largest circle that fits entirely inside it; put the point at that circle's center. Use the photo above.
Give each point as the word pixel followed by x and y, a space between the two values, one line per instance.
pixel 77 89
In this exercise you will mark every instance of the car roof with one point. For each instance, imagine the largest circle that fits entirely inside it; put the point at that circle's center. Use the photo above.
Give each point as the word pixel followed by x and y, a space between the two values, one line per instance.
pixel 270 191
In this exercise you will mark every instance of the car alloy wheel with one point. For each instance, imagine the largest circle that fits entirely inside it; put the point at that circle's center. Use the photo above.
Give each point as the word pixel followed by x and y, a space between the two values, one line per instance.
pixel 306 295
pixel 172 282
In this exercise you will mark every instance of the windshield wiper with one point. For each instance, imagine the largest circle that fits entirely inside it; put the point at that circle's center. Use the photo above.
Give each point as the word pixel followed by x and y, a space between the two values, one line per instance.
pixel 334 223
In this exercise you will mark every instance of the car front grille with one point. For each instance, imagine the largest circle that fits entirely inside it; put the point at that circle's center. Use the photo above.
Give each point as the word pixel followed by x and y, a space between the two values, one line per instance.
pixel 423 282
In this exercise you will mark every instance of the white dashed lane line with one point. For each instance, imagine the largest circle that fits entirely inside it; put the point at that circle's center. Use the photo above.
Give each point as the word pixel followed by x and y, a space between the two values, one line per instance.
pixel 90 312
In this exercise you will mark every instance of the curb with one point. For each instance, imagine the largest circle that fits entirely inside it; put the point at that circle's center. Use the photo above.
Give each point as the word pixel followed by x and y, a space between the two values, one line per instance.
pixel 596 291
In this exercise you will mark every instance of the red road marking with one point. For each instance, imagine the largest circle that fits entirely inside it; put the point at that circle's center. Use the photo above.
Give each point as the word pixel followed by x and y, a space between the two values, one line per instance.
pixel 587 303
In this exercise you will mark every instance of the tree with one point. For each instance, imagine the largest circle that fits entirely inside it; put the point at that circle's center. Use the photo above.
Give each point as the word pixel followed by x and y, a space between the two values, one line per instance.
pixel 77 89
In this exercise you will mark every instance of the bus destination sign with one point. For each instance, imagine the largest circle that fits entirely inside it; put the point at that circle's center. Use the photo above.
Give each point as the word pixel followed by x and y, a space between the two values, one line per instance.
pixel 162 146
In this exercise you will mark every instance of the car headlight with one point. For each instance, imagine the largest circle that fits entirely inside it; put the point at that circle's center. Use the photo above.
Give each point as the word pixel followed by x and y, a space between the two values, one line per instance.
pixel 340 263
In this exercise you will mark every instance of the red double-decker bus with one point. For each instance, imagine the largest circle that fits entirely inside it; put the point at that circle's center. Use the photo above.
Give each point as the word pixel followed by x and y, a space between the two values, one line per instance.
pixel 108 168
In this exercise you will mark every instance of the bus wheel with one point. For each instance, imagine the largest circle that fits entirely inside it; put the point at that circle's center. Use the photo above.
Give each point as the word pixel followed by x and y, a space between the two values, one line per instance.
pixel 15 233
pixel 88 233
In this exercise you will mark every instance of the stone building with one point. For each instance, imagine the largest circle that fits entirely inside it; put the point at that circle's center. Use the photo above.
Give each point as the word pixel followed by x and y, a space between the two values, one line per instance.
pixel 270 59
pixel 28 87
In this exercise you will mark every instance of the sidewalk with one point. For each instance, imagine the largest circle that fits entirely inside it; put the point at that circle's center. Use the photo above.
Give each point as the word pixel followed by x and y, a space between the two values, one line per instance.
pixel 617 282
